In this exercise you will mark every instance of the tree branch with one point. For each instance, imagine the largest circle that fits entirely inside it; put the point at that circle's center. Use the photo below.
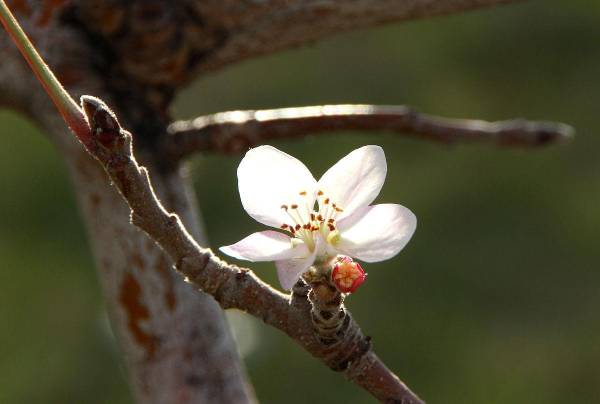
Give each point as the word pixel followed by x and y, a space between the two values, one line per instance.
pixel 235 131
pixel 175 341
pixel 196 36
pixel 234 287
pixel 262 27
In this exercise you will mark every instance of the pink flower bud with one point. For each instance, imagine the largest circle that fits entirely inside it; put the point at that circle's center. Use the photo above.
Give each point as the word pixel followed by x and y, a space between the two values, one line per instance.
pixel 347 275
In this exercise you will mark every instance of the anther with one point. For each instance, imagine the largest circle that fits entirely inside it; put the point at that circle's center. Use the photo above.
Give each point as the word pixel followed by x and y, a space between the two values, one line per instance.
pixel 294 206
pixel 284 226
pixel 298 227
pixel 326 201
pixel 284 207
pixel 320 193
pixel 303 193
pixel 331 227
pixel 320 218
pixel 330 220
pixel 312 216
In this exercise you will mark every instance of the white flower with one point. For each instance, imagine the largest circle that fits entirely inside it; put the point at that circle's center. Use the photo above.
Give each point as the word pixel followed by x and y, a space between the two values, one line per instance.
pixel 276 189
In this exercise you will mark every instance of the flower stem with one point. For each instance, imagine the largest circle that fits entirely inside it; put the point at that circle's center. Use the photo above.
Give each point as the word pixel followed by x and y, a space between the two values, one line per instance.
pixel 69 110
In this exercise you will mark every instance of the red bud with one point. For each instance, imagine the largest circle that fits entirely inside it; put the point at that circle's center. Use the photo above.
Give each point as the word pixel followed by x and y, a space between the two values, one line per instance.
pixel 347 275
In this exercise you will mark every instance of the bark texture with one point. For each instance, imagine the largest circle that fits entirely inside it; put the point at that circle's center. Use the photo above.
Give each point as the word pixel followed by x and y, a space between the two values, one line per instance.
pixel 175 341
pixel 136 55
pixel 175 41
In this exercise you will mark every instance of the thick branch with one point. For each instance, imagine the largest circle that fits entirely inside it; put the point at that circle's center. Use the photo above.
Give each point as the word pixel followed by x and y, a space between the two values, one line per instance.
pixel 176 344
pixel 232 132
pixel 263 27
pixel 167 44
pixel 231 286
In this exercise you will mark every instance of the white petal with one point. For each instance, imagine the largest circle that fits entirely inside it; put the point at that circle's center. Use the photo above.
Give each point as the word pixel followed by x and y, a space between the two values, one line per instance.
pixel 355 181
pixel 289 271
pixel 266 246
pixel 269 178
pixel 376 233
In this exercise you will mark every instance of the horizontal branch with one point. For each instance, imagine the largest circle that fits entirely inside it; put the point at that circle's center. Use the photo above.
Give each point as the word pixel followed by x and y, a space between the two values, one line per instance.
pixel 235 131
pixel 234 287
pixel 251 29
pixel 197 36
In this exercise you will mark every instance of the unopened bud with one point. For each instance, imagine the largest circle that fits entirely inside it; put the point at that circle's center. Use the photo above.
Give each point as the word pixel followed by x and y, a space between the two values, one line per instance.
pixel 103 122
pixel 347 275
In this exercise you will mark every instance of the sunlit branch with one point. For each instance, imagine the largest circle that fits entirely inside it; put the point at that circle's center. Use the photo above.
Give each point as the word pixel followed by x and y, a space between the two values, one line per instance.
pixel 235 131
pixel 234 287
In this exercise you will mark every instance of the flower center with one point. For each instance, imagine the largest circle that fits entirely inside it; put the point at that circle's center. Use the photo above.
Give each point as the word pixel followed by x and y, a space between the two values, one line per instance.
pixel 305 220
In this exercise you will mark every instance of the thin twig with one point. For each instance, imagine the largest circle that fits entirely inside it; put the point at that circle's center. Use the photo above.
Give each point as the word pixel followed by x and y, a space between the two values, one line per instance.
pixel 232 286
pixel 235 131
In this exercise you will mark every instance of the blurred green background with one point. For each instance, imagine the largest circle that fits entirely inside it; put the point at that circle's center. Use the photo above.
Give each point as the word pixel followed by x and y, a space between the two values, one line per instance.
pixel 495 299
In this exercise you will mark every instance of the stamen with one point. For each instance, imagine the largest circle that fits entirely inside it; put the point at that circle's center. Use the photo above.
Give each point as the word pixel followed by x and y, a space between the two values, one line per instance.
pixel 328 212
pixel 331 221
pixel 331 227
pixel 304 219
pixel 294 215
pixel 326 201
pixel 320 193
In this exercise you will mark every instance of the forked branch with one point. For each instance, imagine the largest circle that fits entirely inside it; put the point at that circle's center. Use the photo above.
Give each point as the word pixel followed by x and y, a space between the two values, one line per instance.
pixel 235 131
pixel 234 287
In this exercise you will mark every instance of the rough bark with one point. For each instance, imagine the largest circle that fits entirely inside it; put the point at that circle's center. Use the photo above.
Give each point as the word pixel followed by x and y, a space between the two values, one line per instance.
pixel 175 341
pixel 175 41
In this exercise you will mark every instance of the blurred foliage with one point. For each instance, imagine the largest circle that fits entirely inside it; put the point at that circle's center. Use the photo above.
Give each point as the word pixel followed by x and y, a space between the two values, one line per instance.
pixel 495 299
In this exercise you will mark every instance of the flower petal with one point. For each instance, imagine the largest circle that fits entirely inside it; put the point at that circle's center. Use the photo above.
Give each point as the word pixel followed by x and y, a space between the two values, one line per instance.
pixel 269 178
pixel 376 233
pixel 266 246
pixel 289 271
pixel 355 180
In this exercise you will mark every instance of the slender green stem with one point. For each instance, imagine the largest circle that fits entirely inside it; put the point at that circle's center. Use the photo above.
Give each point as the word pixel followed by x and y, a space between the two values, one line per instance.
pixel 67 107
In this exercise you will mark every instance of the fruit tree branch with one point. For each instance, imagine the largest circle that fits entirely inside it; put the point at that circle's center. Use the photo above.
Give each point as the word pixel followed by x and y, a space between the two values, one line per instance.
pixel 197 36
pixel 233 287
pixel 235 131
